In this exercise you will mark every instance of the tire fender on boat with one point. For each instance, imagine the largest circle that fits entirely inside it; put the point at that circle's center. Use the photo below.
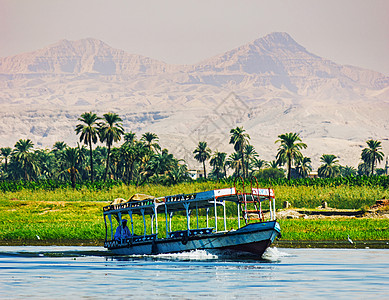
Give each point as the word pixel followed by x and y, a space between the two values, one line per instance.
pixel 184 239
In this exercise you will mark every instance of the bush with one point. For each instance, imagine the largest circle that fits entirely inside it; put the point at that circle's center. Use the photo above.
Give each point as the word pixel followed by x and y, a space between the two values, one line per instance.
pixel 270 173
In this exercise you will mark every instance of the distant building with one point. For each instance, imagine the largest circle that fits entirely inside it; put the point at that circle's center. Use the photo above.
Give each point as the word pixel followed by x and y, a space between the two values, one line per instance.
pixel 313 174
pixel 194 174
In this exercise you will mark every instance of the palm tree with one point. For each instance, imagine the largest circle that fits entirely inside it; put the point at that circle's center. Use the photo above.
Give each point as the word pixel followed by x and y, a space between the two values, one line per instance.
pixel 142 161
pixel 218 162
pixel 258 163
pixel 47 163
pixel 289 150
pixel 234 162
pixel 372 154
pixel 59 146
pixel 115 161
pixel 347 171
pixel 23 155
pixel 250 154
pixel 273 164
pixel 160 164
pixel 363 169
pixel 71 157
pixel 330 167
pixel 89 134
pixel 178 174
pixel 203 153
pixel 111 131
pixel 151 141
pixel 303 166
pixel 5 153
pixel 129 138
pixel 130 154
pixel 240 139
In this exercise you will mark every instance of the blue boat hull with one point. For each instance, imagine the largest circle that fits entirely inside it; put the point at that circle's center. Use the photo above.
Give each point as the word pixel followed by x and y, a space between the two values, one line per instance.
pixel 253 238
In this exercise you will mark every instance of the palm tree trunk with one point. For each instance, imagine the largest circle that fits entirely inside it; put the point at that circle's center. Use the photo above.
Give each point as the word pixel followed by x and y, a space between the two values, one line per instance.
pixel 107 166
pixel 73 177
pixel 205 172
pixel 289 167
pixel 131 170
pixel 91 159
pixel 243 166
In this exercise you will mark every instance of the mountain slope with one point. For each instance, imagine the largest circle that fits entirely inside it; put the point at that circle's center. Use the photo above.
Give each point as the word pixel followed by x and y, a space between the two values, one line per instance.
pixel 82 56
pixel 278 60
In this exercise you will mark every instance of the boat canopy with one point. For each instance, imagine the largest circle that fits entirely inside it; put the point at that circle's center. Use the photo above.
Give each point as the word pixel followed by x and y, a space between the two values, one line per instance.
pixel 182 202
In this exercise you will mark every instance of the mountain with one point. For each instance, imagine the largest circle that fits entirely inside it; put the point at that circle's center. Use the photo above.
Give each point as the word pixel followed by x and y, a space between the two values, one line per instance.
pixel 278 60
pixel 83 56
pixel 270 86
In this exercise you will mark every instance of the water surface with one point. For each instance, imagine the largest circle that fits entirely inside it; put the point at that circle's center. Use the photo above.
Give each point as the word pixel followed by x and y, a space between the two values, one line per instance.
pixel 90 272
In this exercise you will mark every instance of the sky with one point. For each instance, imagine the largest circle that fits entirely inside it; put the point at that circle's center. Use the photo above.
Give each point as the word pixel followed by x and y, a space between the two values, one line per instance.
pixel 353 32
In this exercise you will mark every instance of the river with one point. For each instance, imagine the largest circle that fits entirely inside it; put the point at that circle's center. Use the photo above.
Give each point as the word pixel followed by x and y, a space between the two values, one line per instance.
pixel 90 272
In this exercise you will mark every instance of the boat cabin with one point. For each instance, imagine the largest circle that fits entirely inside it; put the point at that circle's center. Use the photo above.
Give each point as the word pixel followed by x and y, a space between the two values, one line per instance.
pixel 248 207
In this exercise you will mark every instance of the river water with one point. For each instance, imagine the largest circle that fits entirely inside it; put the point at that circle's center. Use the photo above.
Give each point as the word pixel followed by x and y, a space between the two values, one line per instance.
pixel 90 272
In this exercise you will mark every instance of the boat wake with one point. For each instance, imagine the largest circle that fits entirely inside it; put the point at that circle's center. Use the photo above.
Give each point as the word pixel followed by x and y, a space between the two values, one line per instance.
pixel 273 254
pixel 194 255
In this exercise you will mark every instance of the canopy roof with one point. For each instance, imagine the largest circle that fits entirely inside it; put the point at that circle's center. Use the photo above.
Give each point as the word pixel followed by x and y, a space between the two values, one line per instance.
pixel 151 205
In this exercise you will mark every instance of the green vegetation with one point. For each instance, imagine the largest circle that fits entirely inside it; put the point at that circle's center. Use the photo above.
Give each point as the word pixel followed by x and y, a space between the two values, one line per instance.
pixel 335 230
pixel 59 193
pixel 351 181
pixel 62 213
pixel 82 220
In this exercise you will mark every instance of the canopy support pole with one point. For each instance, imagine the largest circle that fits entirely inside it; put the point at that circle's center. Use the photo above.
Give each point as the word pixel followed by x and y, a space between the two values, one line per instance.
pixel 166 221
pixel 144 221
pixel 186 205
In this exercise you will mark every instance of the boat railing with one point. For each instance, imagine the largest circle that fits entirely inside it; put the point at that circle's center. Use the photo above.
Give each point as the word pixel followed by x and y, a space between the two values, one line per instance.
pixel 133 239
pixel 141 238
pixel 129 204
pixel 190 232
pixel 180 197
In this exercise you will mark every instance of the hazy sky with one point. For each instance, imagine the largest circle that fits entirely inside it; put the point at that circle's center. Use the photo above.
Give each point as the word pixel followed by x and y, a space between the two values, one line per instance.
pixel 352 32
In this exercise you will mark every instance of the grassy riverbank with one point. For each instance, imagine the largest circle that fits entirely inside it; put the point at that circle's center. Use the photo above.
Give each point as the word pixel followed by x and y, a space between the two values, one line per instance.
pixel 66 216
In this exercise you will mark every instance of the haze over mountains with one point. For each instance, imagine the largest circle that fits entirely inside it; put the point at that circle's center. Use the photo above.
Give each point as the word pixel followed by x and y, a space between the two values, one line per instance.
pixel 270 86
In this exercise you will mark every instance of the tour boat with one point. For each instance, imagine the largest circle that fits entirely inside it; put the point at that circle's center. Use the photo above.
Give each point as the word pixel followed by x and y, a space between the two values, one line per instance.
pixel 151 237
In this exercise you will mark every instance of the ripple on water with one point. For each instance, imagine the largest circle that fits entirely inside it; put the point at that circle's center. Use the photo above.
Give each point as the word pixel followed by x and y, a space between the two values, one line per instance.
pixel 73 272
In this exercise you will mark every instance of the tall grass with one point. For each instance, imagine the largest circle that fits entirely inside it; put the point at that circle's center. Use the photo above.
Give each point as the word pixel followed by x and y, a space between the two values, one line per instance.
pixel 336 229
pixel 351 181
pixel 342 197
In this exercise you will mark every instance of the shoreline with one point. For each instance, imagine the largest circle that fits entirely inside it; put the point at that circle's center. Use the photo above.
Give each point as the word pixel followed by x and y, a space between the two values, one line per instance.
pixel 378 244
